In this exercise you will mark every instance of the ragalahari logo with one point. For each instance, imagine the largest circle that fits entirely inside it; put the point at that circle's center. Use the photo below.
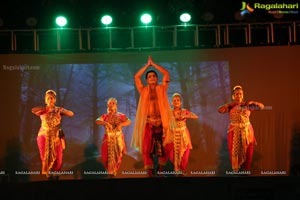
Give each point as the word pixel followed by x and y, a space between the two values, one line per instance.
pixel 271 8
pixel 246 9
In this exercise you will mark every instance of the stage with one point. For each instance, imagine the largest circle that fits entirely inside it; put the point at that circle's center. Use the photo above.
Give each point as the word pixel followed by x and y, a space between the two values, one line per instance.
pixel 245 188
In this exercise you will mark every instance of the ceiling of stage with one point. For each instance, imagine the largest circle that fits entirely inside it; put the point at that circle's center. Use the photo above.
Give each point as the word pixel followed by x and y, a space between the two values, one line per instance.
pixel 85 13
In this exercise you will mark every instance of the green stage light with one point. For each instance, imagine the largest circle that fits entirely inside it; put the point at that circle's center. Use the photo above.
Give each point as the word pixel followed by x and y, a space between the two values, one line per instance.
pixel 146 18
pixel 106 20
pixel 61 21
pixel 185 17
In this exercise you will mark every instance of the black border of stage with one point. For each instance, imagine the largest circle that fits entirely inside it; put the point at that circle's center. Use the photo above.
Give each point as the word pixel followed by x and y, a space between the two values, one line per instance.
pixel 245 188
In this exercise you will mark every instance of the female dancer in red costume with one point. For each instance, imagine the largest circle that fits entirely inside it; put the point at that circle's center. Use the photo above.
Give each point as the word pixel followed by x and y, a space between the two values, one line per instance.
pixel 113 143
pixel 50 139
pixel 181 136
pixel 240 134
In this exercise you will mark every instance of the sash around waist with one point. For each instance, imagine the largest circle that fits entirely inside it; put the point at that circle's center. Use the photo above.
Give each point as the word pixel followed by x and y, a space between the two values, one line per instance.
pixel 154 120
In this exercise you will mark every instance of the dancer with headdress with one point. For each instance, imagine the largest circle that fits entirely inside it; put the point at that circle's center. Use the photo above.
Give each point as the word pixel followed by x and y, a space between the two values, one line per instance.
pixel 240 133
pixel 50 139
pixel 113 143
pixel 182 144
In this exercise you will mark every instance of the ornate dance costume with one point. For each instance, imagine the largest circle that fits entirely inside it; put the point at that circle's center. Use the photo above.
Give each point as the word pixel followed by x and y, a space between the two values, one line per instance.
pixel 149 134
pixel 113 143
pixel 182 142
pixel 241 139
pixel 49 142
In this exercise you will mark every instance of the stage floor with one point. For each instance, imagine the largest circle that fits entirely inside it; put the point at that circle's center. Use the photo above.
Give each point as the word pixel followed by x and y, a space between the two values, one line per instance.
pixel 239 188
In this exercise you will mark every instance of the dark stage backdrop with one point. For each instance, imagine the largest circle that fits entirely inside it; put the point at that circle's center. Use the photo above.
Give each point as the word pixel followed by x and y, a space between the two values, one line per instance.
pixel 84 82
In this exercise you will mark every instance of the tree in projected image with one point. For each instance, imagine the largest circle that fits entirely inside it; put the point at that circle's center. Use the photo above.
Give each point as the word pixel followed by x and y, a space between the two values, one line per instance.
pixel 85 88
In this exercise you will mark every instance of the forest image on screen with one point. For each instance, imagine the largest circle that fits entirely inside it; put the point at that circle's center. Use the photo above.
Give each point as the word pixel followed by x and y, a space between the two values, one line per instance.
pixel 85 89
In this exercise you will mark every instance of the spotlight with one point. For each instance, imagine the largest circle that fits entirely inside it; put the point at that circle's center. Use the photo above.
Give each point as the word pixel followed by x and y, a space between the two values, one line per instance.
pixel 208 16
pixel 106 20
pixel 61 21
pixel 278 15
pixel 185 17
pixel 31 21
pixel 146 18
pixel 239 16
